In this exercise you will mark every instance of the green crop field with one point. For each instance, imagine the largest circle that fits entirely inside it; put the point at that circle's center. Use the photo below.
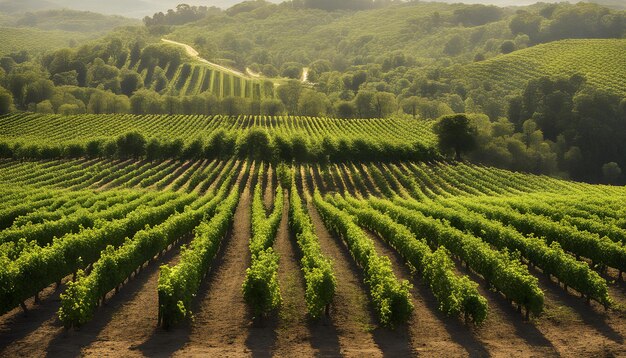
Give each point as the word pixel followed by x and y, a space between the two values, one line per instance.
pixel 482 243
pixel 313 178
pixel 36 40
pixel 600 61
pixel 195 78
pixel 34 135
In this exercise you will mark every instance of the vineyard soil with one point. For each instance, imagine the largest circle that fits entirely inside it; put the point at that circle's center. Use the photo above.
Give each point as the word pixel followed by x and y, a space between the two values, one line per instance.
pixel 223 325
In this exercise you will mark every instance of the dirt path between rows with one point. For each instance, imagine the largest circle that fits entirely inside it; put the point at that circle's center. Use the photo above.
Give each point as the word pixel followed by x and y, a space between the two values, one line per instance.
pixel 566 315
pixel 428 331
pixel 505 332
pixel 351 317
pixel 293 336
pixel 122 327
pixel 221 320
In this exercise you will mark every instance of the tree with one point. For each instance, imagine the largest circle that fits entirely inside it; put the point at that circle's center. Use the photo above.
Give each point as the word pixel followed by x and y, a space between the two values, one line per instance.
pixel 385 104
pixel 611 172
pixel 479 57
pixel 410 105
pixel 272 107
pixel 146 101
pixel 6 101
pixel 454 46
pixel 330 5
pixel 130 81
pixel 172 104
pixel 101 74
pixel 345 109
pixel 455 132
pixel 269 71
pixel 291 70
pixel 476 15
pixel 364 103
pixel 526 23
pixel 38 91
pixel 233 106
pixel 425 108
pixel 68 109
pixel 69 78
pixel 255 143
pixel 290 93
pixel 45 107
pixel 507 46
pixel 131 144
pixel 159 79
pixel 312 104
pixel 135 53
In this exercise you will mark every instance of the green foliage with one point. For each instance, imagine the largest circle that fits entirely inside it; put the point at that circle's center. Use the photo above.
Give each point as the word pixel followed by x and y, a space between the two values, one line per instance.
pixel 131 144
pixel 611 172
pixel 266 138
pixel 260 287
pixel 456 295
pixel 597 59
pixel 264 228
pixel 77 22
pixel 502 271
pixel 585 122
pixel 600 249
pixel 456 132
pixel 6 101
pixel 476 15
pixel 318 269
pixel 39 267
pixel 390 297
pixel 550 258
pixel 178 285
pixel 35 40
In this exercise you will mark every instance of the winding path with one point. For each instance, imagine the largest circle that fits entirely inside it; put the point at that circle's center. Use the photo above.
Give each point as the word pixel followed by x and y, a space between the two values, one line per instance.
pixel 193 53
pixel 249 73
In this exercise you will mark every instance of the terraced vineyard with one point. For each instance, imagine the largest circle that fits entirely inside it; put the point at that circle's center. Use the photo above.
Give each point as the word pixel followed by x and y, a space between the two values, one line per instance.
pixel 240 256
pixel 600 61
pixel 193 77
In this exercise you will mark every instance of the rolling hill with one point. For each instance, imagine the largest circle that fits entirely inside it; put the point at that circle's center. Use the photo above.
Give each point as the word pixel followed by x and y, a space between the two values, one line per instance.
pixel 600 61
pixel 35 40
pixel 129 8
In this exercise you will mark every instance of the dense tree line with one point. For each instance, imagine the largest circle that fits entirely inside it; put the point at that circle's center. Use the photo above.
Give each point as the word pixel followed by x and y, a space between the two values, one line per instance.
pixel 556 22
pixel 183 14
pixel 331 5
pixel 587 125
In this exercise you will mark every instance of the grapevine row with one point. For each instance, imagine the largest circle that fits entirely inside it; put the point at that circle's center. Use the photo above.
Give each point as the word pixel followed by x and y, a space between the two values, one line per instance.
pixel 391 298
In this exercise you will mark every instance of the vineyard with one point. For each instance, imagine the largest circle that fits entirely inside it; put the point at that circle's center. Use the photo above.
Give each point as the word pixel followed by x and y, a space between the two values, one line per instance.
pixel 312 178
pixel 301 138
pixel 242 253
pixel 600 61
pixel 195 78
pixel 36 40
pixel 188 77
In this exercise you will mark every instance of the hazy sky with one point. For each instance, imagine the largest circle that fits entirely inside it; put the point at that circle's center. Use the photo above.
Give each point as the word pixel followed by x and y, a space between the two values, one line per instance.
pixel 141 8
